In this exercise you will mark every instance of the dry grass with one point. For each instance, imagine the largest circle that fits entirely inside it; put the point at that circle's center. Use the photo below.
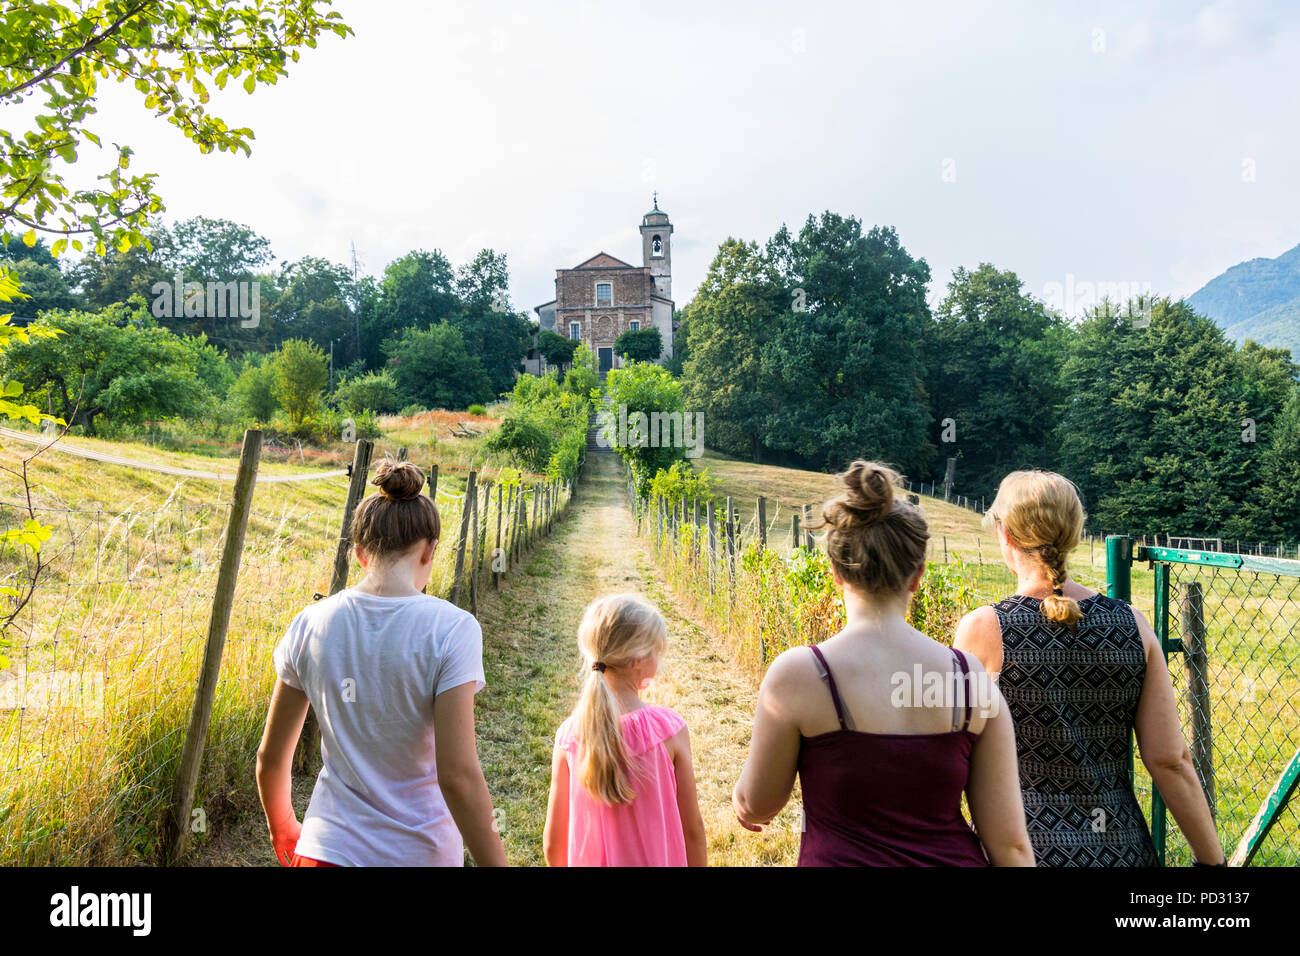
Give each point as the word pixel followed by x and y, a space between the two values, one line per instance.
pixel 530 650
pixel 123 607
pixel 955 532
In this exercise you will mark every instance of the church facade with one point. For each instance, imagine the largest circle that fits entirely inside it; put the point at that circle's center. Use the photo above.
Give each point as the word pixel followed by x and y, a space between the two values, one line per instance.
pixel 598 300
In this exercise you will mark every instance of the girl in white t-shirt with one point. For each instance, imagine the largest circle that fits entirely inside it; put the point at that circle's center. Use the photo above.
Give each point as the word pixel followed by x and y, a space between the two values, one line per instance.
pixel 391 674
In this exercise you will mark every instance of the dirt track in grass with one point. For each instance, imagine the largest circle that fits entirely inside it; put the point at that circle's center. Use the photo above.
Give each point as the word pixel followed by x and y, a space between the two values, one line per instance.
pixel 533 670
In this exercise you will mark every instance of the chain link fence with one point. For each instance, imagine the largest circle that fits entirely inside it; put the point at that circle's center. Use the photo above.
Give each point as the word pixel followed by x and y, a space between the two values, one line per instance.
pixel 1230 625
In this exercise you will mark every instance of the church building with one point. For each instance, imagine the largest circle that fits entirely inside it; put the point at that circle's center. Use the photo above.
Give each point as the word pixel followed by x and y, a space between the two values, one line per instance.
pixel 598 300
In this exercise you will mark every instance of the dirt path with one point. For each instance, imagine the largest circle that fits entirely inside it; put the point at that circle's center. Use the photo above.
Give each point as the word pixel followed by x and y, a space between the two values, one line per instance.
pixel 533 672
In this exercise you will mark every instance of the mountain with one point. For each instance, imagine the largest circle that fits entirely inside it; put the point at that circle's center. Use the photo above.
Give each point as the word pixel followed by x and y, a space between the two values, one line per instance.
pixel 1258 299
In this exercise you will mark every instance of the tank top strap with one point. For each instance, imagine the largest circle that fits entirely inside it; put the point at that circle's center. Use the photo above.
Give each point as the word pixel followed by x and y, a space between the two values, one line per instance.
pixel 964 683
pixel 830 681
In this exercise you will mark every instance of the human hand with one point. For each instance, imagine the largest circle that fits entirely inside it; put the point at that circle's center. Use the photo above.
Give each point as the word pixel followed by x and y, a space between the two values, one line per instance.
pixel 284 839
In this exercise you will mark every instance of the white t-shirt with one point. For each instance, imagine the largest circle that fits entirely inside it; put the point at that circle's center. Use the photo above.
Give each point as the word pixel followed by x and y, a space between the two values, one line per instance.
pixel 371 667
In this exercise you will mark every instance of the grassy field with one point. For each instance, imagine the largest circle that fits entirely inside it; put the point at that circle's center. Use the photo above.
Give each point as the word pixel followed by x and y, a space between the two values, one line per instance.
pixel 93 706
pixel 955 533
pixel 1252 634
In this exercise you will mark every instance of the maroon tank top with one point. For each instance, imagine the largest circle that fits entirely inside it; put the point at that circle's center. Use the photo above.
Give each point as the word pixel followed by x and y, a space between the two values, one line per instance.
pixel 886 799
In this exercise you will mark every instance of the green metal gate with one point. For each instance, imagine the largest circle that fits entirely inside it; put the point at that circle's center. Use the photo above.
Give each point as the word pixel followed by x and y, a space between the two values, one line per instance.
pixel 1229 625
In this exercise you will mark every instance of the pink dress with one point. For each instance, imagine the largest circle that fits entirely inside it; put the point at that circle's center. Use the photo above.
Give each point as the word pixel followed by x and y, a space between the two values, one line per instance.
pixel 645 832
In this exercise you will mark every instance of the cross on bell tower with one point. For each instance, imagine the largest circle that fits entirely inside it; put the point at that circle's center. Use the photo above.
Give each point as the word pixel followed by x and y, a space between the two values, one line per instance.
pixel 657 248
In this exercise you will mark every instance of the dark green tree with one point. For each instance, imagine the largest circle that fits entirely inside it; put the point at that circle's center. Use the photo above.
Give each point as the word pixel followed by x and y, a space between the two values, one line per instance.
pixel 1152 429
pixel 432 368
pixel 993 357
pixel 641 345
pixel 115 367
pixel 732 319
pixel 556 349
pixel 844 363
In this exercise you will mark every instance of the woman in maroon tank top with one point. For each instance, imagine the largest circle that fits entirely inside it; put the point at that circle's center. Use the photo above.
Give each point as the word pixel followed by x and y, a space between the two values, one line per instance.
pixel 885 728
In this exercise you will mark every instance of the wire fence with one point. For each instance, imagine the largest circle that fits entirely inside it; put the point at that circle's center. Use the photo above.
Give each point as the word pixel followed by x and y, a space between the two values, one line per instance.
pixel 1236 624
pixel 1230 626
pixel 106 654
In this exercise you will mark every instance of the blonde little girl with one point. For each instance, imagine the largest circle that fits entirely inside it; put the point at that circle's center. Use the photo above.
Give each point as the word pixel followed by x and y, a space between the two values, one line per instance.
pixel 622 785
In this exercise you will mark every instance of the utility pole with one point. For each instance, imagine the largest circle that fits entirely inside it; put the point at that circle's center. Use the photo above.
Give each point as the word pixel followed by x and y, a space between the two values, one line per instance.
pixel 356 305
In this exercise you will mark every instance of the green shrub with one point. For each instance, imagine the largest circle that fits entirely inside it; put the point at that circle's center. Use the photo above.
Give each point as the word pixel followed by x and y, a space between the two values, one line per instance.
pixel 681 481
pixel 476 410
pixel 376 391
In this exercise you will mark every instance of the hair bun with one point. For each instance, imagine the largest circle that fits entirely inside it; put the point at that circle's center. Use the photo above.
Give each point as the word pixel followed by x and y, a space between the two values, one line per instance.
pixel 398 480
pixel 868 495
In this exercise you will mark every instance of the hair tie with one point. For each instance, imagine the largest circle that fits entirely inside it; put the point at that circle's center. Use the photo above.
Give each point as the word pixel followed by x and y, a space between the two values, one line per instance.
pixel 599 666
pixel 1058 592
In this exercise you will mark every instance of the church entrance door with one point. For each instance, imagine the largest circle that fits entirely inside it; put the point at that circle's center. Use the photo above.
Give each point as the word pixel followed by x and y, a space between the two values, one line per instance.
pixel 606 360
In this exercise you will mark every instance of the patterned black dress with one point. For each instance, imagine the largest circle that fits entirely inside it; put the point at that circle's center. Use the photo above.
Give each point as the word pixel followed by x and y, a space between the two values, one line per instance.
pixel 1074 698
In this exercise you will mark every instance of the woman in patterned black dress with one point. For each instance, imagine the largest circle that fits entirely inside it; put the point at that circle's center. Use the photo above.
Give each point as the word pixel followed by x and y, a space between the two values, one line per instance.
pixel 1080 672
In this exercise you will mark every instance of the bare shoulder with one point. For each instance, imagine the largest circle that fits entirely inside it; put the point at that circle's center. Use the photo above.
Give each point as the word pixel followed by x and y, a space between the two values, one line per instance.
pixel 979 634
pixel 792 668
pixel 983 618
pixel 1149 640
pixel 979 630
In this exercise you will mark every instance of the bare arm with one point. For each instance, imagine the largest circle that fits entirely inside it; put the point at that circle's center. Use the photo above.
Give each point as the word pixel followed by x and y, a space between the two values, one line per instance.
pixel 767 780
pixel 555 835
pixel 688 804
pixel 1165 755
pixel 993 791
pixel 461 778
pixel 284 722
pixel 980 635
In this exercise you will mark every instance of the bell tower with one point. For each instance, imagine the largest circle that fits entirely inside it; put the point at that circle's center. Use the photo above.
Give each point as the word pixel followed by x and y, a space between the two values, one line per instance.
pixel 657 248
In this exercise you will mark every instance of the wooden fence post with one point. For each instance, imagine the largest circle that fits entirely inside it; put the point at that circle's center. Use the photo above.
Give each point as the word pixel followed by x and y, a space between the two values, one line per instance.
pixel 762 522
pixel 794 531
pixel 521 507
pixel 695 532
pixel 433 483
pixel 356 491
pixel 731 543
pixel 1198 687
pixel 712 519
pixel 809 541
pixel 473 557
pixel 496 551
pixel 467 506
pixel 187 771
pixel 309 739
pixel 537 510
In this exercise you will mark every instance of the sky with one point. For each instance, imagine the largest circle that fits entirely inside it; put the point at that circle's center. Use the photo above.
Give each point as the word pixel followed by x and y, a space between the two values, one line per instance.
pixel 1150 143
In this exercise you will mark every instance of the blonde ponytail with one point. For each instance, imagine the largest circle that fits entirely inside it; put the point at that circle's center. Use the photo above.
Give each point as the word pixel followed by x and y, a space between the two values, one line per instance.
pixel 1057 607
pixel 1043 516
pixel 615 631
